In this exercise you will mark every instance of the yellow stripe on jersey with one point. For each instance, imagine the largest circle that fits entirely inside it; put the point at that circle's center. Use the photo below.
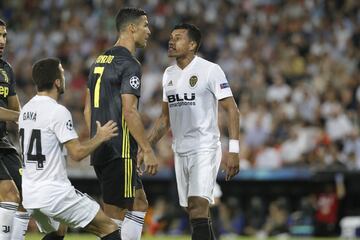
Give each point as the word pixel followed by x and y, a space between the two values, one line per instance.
pixel 125 139
pixel 125 182
pixel 130 178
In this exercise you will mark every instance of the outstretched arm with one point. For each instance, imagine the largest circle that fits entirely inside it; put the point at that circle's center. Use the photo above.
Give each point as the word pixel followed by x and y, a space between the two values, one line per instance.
pixel 78 150
pixel 232 165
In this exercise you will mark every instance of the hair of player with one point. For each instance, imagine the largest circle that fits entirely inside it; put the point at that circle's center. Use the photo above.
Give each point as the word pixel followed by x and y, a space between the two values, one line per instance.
pixel 194 33
pixel 2 23
pixel 45 72
pixel 126 16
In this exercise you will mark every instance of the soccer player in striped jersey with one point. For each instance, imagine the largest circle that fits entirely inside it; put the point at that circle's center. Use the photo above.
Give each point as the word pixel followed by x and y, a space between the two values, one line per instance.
pixel 113 94
pixel 13 218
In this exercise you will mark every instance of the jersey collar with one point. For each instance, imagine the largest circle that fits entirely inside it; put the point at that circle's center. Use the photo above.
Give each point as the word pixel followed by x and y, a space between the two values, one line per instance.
pixel 189 65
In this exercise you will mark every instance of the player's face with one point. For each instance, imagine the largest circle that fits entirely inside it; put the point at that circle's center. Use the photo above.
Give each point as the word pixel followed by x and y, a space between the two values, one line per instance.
pixel 180 44
pixel 142 32
pixel 3 35
pixel 61 88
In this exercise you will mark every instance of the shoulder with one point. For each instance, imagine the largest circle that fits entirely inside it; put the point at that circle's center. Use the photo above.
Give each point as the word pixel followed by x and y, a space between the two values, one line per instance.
pixel 59 111
pixel 5 65
pixel 170 70
pixel 205 63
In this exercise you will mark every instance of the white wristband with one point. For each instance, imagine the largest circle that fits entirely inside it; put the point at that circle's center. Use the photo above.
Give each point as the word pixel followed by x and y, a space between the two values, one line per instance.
pixel 234 146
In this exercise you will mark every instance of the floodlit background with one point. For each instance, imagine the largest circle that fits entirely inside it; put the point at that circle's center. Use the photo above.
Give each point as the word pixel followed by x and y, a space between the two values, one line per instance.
pixel 293 67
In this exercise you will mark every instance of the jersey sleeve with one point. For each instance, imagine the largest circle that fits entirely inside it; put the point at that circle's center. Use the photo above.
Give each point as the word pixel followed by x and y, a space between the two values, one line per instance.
pixel 218 83
pixel 131 79
pixel 12 82
pixel 163 87
pixel 63 126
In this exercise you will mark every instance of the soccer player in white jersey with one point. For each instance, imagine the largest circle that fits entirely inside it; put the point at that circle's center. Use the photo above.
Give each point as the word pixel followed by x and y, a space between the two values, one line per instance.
pixel 44 128
pixel 192 89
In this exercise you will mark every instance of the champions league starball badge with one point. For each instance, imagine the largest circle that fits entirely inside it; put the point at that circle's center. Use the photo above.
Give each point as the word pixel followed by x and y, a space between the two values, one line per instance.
pixel 134 82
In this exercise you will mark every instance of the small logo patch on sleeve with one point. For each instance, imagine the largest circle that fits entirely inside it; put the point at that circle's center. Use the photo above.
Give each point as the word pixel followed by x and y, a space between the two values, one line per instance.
pixel 224 85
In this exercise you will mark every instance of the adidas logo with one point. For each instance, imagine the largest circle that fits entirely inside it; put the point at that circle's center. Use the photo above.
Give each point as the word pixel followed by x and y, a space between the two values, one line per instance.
pixel 170 83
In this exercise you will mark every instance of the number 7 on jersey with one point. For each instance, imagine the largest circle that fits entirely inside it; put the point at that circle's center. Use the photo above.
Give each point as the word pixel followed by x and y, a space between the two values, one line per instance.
pixel 100 71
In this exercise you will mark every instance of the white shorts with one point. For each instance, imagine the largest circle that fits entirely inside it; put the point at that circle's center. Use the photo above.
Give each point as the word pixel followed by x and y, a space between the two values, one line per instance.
pixel 75 209
pixel 196 174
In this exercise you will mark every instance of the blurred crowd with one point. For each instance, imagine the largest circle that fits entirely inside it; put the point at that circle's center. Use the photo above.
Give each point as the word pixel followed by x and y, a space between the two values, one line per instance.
pixel 293 67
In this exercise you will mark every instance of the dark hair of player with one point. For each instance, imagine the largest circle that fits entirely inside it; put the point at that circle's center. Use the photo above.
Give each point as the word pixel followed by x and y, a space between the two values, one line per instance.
pixel 45 72
pixel 2 23
pixel 126 16
pixel 193 33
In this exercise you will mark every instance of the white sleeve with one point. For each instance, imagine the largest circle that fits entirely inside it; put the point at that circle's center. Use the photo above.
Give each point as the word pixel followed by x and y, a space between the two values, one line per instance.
pixel 163 87
pixel 63 126
pixel 218 83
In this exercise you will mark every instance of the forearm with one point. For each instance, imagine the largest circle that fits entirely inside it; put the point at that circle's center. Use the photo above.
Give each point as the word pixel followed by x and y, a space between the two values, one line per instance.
pixel 8 115
pixel 158 131
pixel 233 123
pixel 136 128
pixel 87 117
pixel 83 149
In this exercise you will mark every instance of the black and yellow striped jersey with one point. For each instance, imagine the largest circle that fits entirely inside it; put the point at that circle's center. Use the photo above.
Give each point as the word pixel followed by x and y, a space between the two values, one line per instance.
pixel 115 72
pixel 7 89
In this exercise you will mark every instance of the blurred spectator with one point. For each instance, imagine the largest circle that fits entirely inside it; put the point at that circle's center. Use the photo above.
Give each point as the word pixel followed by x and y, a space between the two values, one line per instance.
pixel 327 206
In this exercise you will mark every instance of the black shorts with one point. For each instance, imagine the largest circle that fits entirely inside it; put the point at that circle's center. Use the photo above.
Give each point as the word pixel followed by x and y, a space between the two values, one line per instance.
pixel 10 166
pixel 118 181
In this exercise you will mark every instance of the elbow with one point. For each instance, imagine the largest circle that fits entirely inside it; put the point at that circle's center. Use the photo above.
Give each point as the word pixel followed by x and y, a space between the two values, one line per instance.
pixel 128 113
pixel 76 156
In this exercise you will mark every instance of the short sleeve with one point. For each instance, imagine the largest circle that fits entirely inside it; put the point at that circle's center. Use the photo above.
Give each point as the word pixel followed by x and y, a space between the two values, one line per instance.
pixel 63 125
pixel 131 79
pixel 12 82
pixel 163 87
pixel 218 83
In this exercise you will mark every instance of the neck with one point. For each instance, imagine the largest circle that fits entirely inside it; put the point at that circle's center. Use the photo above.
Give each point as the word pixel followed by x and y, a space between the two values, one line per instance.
pixel 51 93
pixel 183 61
pixel 126 41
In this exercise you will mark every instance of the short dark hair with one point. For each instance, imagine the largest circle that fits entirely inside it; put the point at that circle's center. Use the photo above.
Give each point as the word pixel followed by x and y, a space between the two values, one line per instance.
pixel 45 72
pixel 127 15
pixel 194 33
pixel 2 23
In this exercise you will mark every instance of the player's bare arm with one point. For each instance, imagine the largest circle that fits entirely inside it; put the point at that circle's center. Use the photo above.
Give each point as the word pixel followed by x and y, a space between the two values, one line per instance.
pixel 162 125
pixel 78 150
pixel 87 109
pixel 232 165
pixel 12 112
pixel 8 115
pixel 13 103
pixel 136 128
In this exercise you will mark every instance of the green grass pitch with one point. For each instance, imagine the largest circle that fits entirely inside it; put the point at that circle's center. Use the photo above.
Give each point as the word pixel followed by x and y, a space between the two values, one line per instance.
pixel 91 237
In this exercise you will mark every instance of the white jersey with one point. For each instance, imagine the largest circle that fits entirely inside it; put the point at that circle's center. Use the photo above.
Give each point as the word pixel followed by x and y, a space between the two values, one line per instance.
pixel 192 94
pixel 44 125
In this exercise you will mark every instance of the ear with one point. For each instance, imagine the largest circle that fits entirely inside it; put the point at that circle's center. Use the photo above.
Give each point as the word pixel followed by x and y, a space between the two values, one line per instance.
pixel 132 27
pixel 57 82
pixel 193 46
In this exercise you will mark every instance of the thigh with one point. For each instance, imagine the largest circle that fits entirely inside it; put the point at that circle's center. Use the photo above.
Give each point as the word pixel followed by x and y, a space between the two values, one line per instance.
pixel 12 163
pixel 182 179
pixel 203 170
pixel 75 209
pixel 118 180
pixel 44 223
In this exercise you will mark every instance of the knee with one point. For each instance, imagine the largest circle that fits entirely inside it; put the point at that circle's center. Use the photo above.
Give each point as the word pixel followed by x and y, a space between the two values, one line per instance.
pixel 140 204
pixel 198 208
pixel 9 193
